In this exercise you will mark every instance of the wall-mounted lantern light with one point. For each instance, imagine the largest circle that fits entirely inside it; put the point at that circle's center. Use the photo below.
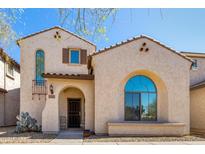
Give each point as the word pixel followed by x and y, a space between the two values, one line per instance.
pixel 51 89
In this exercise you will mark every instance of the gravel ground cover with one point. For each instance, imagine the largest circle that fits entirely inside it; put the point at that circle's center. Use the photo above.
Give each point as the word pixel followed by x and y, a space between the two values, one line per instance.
pixel 7 136
pixel 192 137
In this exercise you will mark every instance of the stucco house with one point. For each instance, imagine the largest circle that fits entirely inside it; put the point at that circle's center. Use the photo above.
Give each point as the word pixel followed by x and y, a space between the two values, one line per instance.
pixel 136 87
pixel 197 93
pixel 9 89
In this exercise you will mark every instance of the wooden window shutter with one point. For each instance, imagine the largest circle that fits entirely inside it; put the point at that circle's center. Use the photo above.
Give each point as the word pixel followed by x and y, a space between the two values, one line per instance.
pixel 83 56
pixel 65 55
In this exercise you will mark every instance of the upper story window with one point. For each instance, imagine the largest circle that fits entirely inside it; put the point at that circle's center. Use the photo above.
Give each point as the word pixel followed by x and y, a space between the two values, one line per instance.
pixel 10 70
pixel 195 65
pixel 74 56
pixel 39 66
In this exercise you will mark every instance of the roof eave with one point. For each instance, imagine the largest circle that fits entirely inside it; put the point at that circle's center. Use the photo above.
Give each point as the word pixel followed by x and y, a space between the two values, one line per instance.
pixel 68 76
pixel 194 54
pixel 3 90
pixel 58 27
pixel 198 85
pixel 3 53
pixel 139 37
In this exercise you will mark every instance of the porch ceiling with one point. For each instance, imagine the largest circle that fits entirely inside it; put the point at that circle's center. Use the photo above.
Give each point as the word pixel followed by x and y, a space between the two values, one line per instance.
pixel 198 85
pixel 69 76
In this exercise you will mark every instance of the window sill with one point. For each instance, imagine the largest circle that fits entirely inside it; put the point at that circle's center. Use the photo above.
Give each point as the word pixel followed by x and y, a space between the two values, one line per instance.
pixel 10 76
pixel 71 64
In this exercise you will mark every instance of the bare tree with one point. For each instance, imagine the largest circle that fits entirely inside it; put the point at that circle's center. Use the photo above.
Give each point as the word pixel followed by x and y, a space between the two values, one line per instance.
pixel 7 18
pixel 87 22
pixel 84 21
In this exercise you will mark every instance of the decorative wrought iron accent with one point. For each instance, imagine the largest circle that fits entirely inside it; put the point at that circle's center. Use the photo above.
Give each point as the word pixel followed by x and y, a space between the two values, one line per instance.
pixel 39 87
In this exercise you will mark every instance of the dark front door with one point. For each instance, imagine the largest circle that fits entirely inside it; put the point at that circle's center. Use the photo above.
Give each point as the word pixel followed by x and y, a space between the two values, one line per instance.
pixel 73 113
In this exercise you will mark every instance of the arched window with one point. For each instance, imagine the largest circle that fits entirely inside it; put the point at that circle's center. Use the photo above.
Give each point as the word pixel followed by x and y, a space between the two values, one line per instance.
pixel 39 66
pixel 140 99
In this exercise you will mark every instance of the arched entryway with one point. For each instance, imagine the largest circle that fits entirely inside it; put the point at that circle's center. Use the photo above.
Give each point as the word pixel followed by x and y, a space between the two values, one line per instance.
pixel 71 108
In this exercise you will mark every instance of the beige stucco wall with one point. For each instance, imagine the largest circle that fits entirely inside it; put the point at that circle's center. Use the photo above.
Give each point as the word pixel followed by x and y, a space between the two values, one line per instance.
pixel 198 75
pixel 2 73
pixel 2 97
pixel 169 71
pixel 198 109
pixel 2 109
pixel 104 97
pixel 12 98
pixel 10 101
pixel 53 64
pixel 146 129
pixel 12 106
pixel 50 119
pixel 53 52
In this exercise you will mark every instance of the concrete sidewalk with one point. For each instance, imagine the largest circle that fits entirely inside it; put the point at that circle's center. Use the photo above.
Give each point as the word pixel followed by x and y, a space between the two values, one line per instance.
pixel 71 141
pixel 80 142
pixel 76 138
pixel 146 143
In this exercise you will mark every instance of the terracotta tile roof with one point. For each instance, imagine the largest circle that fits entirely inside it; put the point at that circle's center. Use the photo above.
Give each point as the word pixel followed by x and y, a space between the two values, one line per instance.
pixel 69 76
pixel 137 38
pixel 198 85
pixel 3 90
pixel 57 27
pixel 3 55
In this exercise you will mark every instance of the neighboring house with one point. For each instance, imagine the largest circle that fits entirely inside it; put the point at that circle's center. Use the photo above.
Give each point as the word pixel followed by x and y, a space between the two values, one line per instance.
pixel 197 95
pixel 9 90
pixel 136 87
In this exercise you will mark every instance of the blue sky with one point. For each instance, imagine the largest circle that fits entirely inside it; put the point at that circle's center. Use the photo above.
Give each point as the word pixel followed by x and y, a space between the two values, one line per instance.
pixel 180 29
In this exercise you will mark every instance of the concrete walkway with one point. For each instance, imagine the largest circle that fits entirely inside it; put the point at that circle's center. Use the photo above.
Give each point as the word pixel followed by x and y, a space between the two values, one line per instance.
pixel 69 137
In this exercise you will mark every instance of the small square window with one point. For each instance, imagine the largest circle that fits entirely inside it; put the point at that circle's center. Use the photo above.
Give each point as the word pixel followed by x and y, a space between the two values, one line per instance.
pixel 10 70
pixel 74 56
pixel 195 65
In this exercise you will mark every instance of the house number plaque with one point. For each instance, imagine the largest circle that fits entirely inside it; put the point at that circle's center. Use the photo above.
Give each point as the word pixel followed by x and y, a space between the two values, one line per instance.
pixel 51 96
